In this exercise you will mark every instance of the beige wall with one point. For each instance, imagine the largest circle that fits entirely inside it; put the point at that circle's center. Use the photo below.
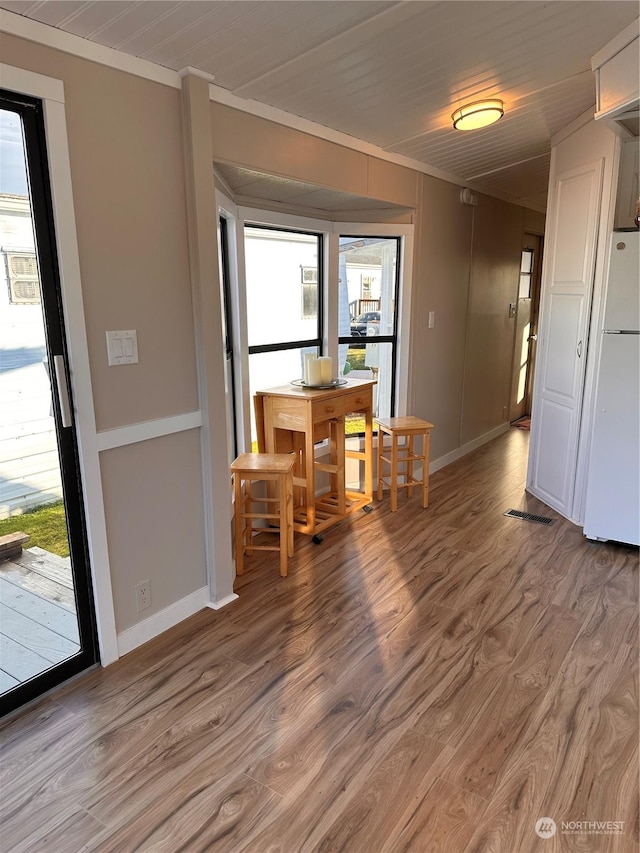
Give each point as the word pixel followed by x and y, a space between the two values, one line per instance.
pixel 467 273
pixel 153 508
pixel 125 139
pixel 441 284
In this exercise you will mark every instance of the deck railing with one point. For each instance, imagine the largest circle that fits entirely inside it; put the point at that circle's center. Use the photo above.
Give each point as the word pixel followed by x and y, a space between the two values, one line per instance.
pixel 359 306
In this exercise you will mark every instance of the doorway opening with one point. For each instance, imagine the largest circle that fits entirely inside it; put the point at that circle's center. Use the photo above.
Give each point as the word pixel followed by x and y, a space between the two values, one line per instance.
pixel 526 331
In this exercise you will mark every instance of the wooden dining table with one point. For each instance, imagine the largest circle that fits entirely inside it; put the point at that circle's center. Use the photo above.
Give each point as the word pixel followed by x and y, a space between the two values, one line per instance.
pixel 294 419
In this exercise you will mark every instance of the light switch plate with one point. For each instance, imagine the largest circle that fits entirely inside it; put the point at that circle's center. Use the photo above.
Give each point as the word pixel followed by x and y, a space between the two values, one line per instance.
pixel 122 347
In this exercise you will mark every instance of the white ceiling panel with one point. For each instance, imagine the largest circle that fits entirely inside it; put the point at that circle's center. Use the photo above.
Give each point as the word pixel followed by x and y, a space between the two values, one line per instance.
pixel 389 73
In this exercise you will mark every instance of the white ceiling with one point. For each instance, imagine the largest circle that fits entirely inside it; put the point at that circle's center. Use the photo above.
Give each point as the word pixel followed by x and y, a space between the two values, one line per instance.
pixel 389 73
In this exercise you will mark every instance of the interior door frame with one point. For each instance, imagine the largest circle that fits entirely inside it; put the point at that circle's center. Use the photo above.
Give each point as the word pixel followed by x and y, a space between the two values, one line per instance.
pixel 51 92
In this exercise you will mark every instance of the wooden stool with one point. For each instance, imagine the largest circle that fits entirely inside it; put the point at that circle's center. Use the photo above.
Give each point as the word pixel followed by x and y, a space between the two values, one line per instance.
pixel 407 427
pixel 272 468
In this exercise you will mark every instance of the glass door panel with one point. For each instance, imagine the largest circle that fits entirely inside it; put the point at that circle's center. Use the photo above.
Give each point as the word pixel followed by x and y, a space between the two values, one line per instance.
pixel 46 618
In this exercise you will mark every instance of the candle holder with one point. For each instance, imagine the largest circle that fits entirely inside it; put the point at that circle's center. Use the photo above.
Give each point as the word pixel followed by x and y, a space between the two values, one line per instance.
pixel 335 383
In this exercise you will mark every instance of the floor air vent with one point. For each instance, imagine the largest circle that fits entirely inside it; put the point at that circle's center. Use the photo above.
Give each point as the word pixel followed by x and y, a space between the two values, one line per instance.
pixel 527 516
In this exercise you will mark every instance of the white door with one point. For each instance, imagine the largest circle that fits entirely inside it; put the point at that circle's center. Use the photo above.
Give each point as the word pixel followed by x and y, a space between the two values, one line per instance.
pixel 562 335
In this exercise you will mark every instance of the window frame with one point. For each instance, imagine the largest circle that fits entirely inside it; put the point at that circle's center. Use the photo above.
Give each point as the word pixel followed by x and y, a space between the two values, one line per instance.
pixel 318 341
pixel 383 339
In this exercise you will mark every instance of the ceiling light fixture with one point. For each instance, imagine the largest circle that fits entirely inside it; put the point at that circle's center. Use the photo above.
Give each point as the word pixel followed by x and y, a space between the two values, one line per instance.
pixel 478 114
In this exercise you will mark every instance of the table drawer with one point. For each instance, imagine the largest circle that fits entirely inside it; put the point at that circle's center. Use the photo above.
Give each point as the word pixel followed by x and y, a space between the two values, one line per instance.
pixel 357 401
pixel 324 410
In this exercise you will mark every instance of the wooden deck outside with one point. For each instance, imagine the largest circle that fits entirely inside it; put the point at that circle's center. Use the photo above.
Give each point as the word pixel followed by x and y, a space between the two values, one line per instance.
pixel 38 625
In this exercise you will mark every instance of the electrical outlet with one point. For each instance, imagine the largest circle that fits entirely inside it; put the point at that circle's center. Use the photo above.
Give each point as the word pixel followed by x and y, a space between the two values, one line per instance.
pixel 143 595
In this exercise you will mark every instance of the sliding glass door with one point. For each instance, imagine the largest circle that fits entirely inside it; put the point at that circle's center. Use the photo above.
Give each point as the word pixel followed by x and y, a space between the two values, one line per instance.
pixel 47 626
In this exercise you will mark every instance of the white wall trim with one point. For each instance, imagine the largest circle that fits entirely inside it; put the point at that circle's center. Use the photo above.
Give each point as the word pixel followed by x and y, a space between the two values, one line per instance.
pixel 145 430
pixel 159 622
pixel 26 28
pixel 30 83
pixel 461 451
pixel 25 82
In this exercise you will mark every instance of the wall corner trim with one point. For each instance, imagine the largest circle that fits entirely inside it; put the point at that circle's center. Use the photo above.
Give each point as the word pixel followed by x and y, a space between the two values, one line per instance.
pixel 150 628
pixel 218 605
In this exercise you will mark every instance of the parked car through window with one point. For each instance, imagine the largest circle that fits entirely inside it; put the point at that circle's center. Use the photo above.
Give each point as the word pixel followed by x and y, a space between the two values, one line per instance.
pixel 360 323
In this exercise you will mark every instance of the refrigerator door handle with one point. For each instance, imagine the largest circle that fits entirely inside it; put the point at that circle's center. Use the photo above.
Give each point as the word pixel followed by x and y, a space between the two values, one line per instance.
pixel 579 350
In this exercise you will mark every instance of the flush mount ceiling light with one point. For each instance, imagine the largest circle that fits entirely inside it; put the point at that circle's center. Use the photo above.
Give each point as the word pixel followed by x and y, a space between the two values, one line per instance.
pixel 478 114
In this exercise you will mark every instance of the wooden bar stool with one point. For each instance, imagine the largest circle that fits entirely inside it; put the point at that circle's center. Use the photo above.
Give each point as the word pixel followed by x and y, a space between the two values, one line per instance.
pixel 403 454
pixel 272 468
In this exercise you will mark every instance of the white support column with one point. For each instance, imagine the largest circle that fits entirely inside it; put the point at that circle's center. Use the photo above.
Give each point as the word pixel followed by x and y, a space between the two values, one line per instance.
pixel 207 314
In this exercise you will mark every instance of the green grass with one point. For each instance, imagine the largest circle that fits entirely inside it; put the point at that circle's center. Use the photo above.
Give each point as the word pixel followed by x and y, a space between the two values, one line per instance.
pixel 355 357
pixel 45 525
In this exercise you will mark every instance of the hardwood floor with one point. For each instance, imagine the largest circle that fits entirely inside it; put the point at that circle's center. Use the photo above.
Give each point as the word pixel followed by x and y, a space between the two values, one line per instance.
pixel 427 680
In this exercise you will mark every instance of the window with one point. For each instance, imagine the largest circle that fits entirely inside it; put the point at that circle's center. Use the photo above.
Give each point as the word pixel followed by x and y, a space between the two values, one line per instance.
pixel 526 274
pixel 309 276
pixel 278 332
pixel 302 287
pixel 366 285
pixel 24 282
pixel 367 317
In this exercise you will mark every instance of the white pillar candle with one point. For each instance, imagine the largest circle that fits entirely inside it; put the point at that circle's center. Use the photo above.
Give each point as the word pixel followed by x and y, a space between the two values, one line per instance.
pixel 307 358
pixel 326 369
pixel 315 371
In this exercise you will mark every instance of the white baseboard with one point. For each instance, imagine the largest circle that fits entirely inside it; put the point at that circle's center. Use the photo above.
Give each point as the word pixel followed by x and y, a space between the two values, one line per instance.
pixel 459 452
pixel 162 621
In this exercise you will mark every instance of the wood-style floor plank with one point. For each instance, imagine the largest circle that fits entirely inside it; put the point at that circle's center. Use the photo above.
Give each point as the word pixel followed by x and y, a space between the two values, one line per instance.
pixel 424 680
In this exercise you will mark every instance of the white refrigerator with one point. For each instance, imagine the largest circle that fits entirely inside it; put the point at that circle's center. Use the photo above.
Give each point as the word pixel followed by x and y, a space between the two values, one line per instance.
pixel 612 509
